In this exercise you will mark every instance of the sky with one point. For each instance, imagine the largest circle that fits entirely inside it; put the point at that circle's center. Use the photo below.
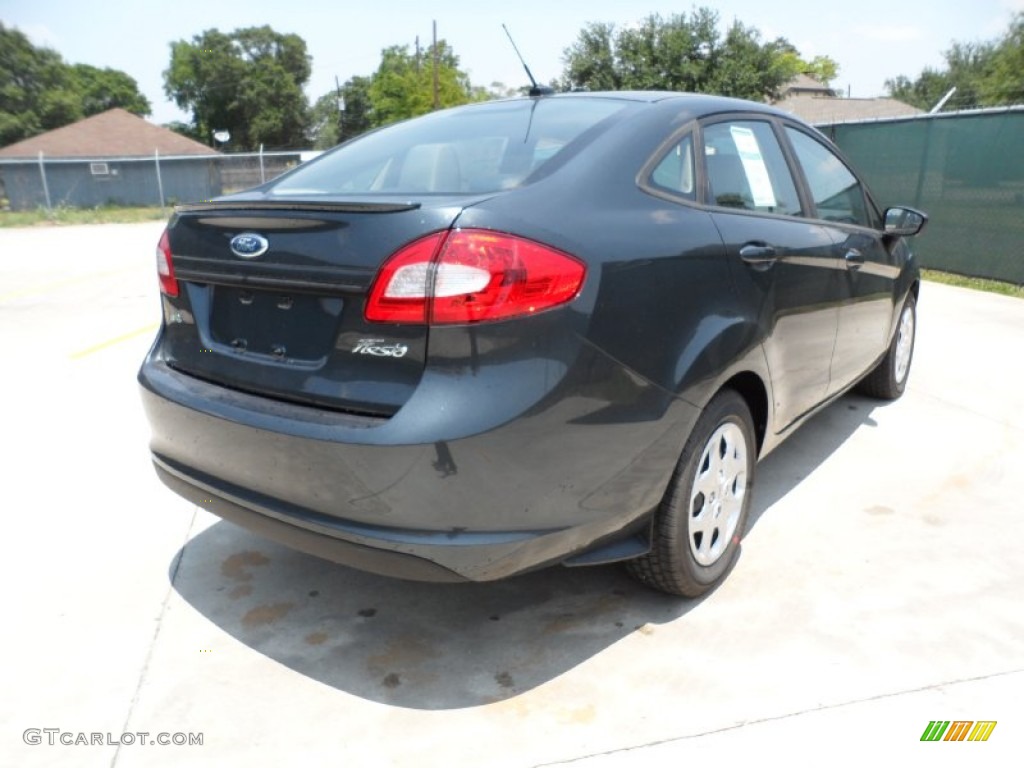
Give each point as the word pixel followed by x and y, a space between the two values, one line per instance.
pixel 871 40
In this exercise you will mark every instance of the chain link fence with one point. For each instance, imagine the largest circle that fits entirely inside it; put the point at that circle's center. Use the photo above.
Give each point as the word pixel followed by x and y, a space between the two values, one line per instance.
pixel 965 169
pixel 44 182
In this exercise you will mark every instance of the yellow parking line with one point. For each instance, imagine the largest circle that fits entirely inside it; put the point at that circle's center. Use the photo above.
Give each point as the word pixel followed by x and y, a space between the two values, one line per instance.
pixel 116 340
pixel 47 287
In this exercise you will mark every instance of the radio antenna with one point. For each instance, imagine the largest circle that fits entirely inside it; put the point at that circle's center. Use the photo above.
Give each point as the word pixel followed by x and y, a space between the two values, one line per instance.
pixel 535 90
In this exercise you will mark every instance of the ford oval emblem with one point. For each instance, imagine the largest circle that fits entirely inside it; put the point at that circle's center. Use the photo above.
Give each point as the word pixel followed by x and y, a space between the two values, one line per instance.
pixel 249 245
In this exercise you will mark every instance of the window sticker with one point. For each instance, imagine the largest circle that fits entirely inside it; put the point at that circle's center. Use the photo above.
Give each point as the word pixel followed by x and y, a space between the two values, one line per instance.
pixel 753 165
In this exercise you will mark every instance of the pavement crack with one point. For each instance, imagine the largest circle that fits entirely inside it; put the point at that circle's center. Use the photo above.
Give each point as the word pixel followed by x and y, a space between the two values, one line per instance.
pixel 156 635
pixel 788 715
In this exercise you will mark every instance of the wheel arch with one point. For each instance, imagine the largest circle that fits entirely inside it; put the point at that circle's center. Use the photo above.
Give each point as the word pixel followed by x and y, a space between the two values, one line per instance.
pixel 752 389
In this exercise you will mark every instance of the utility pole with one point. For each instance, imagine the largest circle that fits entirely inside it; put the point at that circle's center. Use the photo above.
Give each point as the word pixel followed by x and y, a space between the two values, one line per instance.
pixel 341 109
pixel 417 54
pixel 437 87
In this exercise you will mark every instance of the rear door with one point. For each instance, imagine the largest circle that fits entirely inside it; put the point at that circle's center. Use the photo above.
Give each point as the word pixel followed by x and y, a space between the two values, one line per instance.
pixel 869 269
pixel 783 264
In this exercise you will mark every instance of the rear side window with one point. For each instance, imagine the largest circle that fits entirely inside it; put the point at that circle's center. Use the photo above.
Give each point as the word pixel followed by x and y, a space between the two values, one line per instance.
pixel 675 171
pixel 837 194
pixel 481 148
pixel 746 168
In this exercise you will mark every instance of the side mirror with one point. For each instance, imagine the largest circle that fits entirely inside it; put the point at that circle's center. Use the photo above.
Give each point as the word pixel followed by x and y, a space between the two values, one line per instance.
pixel 904 222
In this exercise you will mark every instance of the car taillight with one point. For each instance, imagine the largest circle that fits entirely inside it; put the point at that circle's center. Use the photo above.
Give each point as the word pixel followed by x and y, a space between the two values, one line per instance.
pixel 470 276
pixel 165 266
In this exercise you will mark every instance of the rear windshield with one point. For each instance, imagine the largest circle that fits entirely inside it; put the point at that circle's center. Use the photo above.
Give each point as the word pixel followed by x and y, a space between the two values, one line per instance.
pixel 480 148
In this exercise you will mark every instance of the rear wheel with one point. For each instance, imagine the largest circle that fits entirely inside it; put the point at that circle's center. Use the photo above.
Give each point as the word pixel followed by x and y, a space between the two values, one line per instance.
pixel 698 526
pixel 889 378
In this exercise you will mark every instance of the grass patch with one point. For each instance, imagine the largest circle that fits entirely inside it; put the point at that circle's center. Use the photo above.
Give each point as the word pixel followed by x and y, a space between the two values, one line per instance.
pixel 62 215
pixel 975 283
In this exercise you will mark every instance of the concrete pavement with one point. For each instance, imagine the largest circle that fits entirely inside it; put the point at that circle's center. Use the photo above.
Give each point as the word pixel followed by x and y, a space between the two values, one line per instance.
pixel 880 586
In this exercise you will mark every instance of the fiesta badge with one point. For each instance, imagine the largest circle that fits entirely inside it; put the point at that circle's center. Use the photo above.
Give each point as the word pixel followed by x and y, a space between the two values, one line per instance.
pixel 249 245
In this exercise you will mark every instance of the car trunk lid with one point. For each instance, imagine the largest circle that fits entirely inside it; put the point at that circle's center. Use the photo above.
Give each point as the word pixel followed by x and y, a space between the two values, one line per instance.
pixel 272 297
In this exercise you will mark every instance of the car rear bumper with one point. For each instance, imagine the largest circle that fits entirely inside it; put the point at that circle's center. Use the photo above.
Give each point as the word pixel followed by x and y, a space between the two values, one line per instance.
pixel 571 475
pixel 404 554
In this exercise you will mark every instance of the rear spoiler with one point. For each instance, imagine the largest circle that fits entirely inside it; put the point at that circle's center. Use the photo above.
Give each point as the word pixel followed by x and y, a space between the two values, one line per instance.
pixel 340 206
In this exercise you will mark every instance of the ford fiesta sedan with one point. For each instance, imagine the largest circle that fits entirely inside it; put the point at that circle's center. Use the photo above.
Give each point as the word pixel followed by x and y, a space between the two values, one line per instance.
pixel 550 330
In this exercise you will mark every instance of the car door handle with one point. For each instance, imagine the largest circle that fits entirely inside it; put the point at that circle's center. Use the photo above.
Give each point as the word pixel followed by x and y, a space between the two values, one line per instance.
pixel 854 259
pixel 758 254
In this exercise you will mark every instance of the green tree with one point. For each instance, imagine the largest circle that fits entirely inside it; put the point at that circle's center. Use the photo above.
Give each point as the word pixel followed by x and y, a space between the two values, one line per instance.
pixel 1004 80
pixel 40 92
pixel 403 85
pixel 249 82
pixel 591 61
pixel 497 90
pixel 339 117
pixel 356 115
pixel 36 92
pixel 985 74
pixel 822 68
pixel 924 92
pixel 103 89
pixel 186 129
pixel 967 65
pixel 749 69
pixel 685 53
pixel 325 122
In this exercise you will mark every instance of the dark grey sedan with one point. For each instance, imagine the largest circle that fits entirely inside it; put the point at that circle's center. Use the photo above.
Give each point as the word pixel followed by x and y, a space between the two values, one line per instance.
pixel 559 329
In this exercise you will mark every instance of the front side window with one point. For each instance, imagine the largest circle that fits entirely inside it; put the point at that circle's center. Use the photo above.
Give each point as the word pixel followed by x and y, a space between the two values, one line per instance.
pixel 746 168
pixel 480 148
pixel 837 194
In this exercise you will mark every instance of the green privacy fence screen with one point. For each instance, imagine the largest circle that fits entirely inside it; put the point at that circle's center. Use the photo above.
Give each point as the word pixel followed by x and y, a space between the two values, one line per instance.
pixel 966 170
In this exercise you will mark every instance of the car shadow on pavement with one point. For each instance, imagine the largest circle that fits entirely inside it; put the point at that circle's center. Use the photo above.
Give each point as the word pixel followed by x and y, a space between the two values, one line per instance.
pixel 445 646
pixel 807 449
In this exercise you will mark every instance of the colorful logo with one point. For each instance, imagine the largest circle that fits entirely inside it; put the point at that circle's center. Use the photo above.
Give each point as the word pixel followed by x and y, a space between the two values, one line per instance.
pixel 958 730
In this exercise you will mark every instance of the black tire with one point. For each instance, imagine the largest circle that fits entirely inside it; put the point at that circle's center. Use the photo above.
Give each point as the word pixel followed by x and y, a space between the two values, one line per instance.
pixel 888 380
pixel 684 559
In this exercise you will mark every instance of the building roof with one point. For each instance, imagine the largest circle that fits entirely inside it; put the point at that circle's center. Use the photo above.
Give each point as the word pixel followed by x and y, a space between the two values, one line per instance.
pixel 806 84
pixel 820 110
pixel 114 133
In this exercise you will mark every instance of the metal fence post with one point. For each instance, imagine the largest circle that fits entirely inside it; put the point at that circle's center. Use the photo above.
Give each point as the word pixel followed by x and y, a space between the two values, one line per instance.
pixel 159 178
pixel 263 176
pixel 46 188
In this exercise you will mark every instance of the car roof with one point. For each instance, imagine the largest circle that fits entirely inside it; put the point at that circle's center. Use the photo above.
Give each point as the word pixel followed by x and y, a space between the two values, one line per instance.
pixel 697 104
pixel 648 96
